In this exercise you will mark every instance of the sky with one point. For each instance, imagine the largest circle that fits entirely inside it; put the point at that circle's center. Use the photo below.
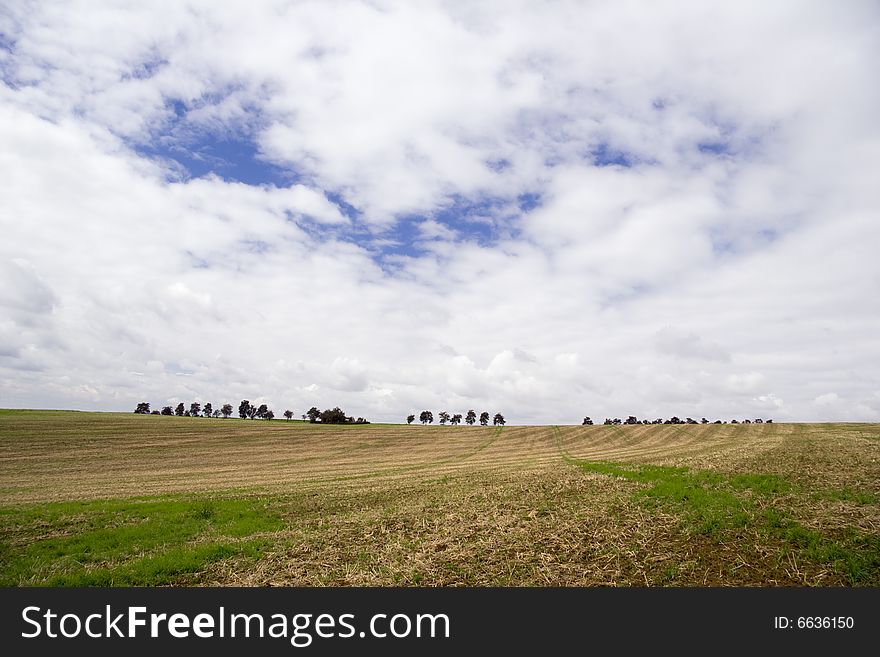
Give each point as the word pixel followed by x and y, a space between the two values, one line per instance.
pixel 549 210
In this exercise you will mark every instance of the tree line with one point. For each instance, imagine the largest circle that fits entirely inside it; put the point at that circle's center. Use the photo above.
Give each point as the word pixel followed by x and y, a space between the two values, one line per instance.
pixel 336 415
pixel 632 419
pixel 248 411
pixel 332 416
pixel 427 417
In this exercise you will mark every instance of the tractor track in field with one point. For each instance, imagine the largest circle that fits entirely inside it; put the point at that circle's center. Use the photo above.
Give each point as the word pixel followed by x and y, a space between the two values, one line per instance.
pixel 143 455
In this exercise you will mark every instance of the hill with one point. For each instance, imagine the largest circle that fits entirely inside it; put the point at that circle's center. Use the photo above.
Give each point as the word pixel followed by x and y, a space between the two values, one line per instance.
pixel 98 498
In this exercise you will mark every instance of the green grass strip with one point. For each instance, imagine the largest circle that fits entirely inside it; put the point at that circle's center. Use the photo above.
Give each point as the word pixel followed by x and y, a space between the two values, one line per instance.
pixel 714 503
pixel 149 541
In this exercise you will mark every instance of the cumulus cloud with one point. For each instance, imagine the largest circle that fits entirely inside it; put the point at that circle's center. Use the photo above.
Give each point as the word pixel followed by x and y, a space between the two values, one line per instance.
pixel 682 344
pixel 828 399
pixel 552 210
pixel 769 402
pixel 743 383
pixel 431 229
pixel 22 293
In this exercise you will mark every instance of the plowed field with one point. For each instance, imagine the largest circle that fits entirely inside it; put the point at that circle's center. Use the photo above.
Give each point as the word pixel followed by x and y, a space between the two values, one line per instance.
pixel 97 498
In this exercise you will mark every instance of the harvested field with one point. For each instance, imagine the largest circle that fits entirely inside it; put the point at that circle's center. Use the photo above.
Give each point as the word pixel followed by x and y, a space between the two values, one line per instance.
pixel 97 498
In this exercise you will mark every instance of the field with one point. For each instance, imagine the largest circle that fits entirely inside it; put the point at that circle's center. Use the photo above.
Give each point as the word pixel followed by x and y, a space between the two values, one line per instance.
pixel 124 499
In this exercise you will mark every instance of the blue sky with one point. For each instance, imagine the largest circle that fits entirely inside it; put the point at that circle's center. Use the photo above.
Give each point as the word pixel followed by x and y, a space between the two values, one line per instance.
pixel 232 153
pixel 392 207
pixel 229 158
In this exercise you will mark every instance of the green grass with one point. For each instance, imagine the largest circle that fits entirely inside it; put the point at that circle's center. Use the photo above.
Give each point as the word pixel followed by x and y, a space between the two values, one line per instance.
pixel 847 494
pixel 710 501
pixel 717 505
pixel 143 542
pixel 854 554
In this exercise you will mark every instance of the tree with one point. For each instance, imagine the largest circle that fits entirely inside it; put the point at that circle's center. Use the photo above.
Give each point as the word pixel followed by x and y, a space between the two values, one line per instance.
pixel 269 415
pixel 587 420
pixel 334 416
pixel 632 419
pixel 426 417
pixel 143 408
pixel 154 413
pixel 498 419
pixel 484 419
pixel 410 418
pixel 166 410
pixel 456 419
pixel 180 410
pixel 313 414
pixel 208 410
pixel 288 415
pixel 226 410
pixel 243 408
pixel 252 412
pixel 471 417
pixel 219 413
pixel 444 417
pixel 195 409
pixel 704 421
pixel 262 411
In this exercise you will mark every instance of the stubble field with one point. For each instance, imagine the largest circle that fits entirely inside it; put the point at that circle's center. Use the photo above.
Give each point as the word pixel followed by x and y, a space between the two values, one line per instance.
pixel 123 499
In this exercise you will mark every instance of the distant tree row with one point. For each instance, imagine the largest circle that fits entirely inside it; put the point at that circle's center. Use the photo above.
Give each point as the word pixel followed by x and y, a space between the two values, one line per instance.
pixel 427 417
pixel 632 419
pixel 195 410
pixel 246 410
pixel 332 416
pixel 250 411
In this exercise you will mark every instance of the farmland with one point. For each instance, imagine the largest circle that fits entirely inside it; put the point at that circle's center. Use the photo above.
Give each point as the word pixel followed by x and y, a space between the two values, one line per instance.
pixel 107 498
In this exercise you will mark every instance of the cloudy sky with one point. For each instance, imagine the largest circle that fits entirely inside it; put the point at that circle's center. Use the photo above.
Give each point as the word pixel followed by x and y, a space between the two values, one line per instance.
pixel 547 209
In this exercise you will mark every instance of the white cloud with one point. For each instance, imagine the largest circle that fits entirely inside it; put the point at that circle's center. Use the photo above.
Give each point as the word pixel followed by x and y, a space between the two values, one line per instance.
pixel 430 229
pixel 709 281
pixel 748 382
pixel 682 344
pixel 769 402
pixel 23 294
pixel 828 399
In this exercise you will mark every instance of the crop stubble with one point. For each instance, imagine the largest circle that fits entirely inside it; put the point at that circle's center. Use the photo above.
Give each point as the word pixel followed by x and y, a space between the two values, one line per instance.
pixel 413 505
